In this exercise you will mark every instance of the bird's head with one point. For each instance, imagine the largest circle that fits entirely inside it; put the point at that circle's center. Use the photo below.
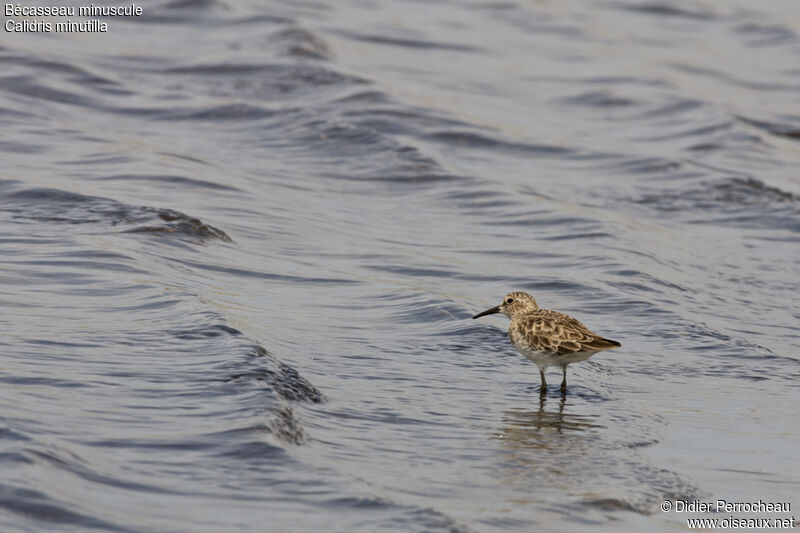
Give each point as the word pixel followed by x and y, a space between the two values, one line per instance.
pixel 513 304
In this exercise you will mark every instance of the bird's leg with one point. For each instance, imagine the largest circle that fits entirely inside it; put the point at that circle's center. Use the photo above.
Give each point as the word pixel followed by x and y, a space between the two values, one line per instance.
pixel 564 382
pixel 544 383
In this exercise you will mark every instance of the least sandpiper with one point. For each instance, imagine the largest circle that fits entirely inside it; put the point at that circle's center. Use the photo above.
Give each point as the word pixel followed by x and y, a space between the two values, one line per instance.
pixel 548 338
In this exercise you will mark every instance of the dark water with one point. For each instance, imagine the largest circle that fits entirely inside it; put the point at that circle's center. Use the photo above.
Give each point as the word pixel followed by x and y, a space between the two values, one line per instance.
pixel 242 242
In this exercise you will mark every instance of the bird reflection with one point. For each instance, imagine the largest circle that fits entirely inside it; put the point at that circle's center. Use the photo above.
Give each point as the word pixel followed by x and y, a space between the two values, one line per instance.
pixel 564 451
pixel 546 429
pixel 549 447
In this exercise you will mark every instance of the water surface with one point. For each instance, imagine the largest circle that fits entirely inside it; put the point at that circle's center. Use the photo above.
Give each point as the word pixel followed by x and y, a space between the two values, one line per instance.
pixel 242 244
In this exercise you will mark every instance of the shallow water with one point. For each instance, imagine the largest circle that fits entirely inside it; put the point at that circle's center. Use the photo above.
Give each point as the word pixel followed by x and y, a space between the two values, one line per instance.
pixel 242 245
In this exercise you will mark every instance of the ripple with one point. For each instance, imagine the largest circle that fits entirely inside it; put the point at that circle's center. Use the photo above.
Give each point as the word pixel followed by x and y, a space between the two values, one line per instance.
pixel 299 42
pixel 37 505
pixel 177 181
pixel 284 379
pixel 789 131
pixel 600 99
pixel 227 112
pixel 661 9
pixel 478 141
pixel 68 208
pixel 739 201
pixel 407 43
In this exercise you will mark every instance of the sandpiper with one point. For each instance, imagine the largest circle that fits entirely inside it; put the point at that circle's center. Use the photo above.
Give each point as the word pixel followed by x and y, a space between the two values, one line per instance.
pixel 548 338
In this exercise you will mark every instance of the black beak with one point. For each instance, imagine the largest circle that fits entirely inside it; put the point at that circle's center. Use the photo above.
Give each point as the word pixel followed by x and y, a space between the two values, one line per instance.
pixel 491 311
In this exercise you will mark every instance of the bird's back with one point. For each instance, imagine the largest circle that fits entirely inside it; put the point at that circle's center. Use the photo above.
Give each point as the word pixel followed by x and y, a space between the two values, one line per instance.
pixel 545 330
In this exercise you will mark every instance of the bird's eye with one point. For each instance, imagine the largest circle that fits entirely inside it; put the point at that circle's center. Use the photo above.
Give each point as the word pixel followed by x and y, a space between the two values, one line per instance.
pixel 510 301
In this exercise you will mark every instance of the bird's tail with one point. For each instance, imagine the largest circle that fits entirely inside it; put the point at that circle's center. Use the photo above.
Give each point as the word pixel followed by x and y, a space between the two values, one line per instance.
pixel 600 343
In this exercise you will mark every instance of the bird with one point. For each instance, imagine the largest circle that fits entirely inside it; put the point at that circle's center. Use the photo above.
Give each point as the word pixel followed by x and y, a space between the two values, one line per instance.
pixel 547 338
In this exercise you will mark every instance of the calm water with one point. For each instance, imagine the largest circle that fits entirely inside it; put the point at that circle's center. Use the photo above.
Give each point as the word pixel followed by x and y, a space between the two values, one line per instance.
pixel 242 242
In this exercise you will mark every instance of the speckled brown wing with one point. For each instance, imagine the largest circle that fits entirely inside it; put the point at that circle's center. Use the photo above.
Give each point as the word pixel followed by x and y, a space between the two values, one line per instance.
pixel 554 332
